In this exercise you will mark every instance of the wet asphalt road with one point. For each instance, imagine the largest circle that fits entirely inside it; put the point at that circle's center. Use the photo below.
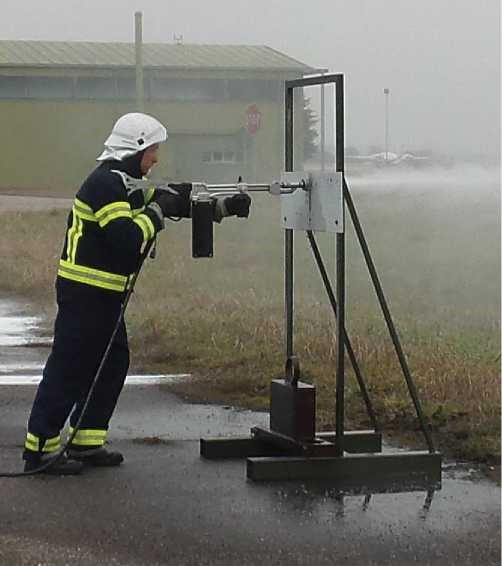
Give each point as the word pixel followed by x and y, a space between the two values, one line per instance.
pixel 167 506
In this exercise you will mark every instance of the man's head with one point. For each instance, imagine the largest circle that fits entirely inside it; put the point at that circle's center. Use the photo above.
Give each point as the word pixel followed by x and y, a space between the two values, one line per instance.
pixel 149 158
pixel 132 134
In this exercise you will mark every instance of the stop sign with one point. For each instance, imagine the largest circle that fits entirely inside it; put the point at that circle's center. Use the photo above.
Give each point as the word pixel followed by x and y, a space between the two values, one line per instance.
pixel 253 118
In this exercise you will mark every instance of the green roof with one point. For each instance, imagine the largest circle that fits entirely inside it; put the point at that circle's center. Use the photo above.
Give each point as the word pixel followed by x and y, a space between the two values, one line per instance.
pixel 155 55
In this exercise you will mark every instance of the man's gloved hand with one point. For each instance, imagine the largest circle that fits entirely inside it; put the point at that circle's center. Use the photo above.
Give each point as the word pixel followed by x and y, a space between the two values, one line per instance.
pixel 174 201
pixel 184 190
pixel 238 205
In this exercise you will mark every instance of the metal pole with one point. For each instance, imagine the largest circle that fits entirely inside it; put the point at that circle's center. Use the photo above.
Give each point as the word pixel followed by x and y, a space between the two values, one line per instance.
pixel 350 351
pixel 323 130
pixel 340 282
pixel 386 92
pixel 388 318
pixel 288 235
pixel 138 42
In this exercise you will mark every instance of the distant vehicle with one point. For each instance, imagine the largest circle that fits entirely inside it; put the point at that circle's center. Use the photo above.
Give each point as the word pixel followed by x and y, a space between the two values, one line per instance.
pixel 387 158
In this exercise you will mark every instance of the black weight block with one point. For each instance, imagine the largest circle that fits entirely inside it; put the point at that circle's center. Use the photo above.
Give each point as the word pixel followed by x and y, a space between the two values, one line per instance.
pixel 292 409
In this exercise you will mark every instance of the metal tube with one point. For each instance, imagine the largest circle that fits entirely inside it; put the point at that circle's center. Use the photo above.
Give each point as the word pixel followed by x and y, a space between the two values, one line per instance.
pixel 350 351
pixel 251 186
pixel 323 132
pixel 340 129
pixel 388 318
pixel 313 81
pixel 138 43
pixel 386 93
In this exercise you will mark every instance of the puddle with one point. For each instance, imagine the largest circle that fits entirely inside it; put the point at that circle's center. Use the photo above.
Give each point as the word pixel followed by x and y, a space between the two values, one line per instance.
pixel 16 327
pixel 22 349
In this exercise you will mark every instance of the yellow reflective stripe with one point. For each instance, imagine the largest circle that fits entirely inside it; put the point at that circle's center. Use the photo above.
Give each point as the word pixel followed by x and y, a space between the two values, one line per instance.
pixel 90 276
pixel 146 225
pixel 149 194
pixel 112 211
pixel 144 228
pixel 33 443
pixel 89 437
pixel 71 235
pixel 136 211
pixel 129 281
pixel 84 210
pixel 76 235
pixel 52 444
pixel 82 206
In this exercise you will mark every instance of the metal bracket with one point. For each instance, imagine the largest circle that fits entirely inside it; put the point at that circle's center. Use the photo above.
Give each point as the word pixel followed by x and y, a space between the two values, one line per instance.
pixel 318 207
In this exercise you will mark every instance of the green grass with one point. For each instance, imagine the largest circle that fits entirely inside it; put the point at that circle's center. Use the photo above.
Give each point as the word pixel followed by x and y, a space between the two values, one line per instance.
pixel 222 319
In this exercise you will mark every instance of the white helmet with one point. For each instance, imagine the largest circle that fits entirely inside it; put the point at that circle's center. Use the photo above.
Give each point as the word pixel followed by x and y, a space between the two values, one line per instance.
pixel 132 133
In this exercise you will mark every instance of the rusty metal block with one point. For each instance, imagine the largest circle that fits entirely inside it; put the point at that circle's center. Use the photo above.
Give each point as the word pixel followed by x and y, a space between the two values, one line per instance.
pixel 292 409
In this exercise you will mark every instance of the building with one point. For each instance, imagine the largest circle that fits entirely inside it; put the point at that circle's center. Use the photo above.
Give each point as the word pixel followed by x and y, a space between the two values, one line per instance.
pixel 222 106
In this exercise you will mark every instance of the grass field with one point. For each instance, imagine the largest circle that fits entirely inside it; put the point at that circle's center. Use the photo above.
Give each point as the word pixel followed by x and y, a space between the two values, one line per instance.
pixel 437 250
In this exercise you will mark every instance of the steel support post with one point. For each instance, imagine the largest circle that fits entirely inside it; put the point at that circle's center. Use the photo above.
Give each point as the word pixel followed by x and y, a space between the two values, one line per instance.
pixel 288 235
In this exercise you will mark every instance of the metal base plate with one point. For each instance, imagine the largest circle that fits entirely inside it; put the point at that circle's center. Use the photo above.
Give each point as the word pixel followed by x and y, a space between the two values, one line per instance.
pixel 358 472
pixel 264 442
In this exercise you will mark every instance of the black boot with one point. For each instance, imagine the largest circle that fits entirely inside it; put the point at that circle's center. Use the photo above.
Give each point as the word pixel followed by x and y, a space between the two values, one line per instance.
pixel 53 464
pixel 95 456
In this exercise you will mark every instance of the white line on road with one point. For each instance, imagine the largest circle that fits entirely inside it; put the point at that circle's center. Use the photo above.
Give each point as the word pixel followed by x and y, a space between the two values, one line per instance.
pixel 130 380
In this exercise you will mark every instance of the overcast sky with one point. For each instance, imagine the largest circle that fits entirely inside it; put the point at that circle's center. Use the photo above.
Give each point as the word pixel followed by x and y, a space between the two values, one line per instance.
pixel 439 58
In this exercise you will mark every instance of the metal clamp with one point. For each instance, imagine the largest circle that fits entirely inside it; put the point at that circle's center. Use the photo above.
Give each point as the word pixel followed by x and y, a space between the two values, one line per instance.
pixel 292 371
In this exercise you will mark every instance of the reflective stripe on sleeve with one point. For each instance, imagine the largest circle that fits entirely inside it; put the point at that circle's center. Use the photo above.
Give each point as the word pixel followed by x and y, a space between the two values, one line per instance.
pixel 112 211
pixel 71 236
pixel 146 225
pixel 89 437
pixel 136 211
pixel 90 276
pixel 149 194
pixel 76 237
pixel 84 210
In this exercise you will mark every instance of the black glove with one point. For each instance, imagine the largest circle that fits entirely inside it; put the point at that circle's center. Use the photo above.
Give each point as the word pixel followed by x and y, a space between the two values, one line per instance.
pixel 238 205
pixel 174 201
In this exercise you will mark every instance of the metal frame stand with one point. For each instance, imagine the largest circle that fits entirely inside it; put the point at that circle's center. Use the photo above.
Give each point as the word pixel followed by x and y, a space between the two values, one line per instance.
pixel 291 449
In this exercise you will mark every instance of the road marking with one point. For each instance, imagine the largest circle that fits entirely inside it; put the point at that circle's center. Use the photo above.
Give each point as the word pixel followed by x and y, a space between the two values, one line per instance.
pixel 130 380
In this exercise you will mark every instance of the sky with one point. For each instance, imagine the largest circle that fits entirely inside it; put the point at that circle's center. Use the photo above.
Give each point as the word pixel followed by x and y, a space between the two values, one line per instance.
pixel 439 58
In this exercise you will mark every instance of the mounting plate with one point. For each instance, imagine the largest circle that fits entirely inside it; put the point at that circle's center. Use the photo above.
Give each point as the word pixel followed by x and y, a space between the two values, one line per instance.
pixel 319 209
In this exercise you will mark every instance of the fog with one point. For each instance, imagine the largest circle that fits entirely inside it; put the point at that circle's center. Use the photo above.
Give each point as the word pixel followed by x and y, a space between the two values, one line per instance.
pixel 439 58
pixel 433 218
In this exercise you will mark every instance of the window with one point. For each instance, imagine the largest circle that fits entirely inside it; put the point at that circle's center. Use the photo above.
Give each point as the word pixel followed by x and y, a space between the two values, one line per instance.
pixel 36 87
pixel 187 89
pixel 126 88
pixel 95 88
pixel 49 87
pixel 13 87
pixel 222 157
pixel 249 89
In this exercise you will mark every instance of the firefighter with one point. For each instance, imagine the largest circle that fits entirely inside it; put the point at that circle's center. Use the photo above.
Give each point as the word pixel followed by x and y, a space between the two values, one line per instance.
pixel 112 218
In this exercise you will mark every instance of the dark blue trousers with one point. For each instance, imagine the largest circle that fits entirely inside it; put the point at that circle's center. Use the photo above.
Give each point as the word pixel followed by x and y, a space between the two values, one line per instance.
pixel 84 323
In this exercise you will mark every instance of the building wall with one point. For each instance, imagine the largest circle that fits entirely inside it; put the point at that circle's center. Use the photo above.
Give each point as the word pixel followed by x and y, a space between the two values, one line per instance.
pixel 50 145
